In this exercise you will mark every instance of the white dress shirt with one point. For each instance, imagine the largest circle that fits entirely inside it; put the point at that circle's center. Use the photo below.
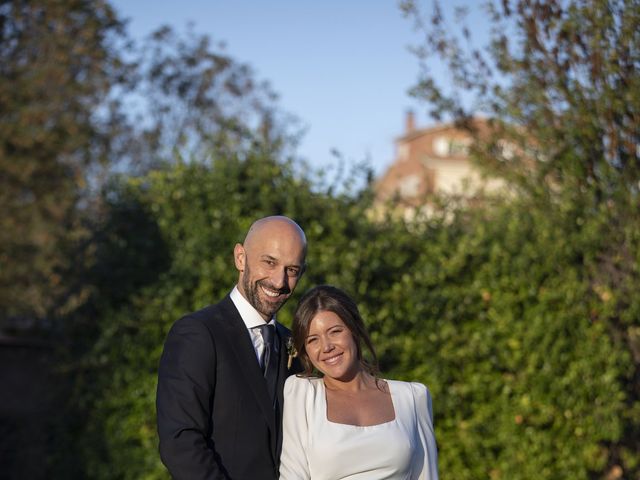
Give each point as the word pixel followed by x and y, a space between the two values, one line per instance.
pixel 252 319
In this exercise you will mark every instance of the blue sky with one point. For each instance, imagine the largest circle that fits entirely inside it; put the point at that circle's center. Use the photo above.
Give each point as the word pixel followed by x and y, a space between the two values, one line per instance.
pixel 341 67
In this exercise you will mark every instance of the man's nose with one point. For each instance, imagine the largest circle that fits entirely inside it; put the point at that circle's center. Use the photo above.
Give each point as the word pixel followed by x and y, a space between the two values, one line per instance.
pixel 279 279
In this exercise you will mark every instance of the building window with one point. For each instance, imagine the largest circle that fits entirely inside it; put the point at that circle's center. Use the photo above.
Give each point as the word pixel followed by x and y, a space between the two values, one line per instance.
pixel 441 146
pixel 445 147
pixel 409 186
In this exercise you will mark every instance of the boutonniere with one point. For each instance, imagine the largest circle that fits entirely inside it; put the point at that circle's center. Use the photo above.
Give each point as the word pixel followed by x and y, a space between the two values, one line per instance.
pixel 291 351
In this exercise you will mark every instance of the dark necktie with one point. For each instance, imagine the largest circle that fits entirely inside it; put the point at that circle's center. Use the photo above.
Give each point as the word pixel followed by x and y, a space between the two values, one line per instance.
pixel 270 359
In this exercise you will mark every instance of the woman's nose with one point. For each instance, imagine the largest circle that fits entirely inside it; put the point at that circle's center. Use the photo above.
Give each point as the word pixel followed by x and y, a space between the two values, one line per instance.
pixel 327 346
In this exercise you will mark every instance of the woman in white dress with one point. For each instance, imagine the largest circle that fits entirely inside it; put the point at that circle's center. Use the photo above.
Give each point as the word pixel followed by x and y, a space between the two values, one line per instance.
pixel 341 421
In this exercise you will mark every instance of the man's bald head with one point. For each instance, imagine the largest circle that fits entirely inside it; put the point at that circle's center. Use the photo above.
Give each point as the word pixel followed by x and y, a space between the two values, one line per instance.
pixel 270 262
pixel 274 225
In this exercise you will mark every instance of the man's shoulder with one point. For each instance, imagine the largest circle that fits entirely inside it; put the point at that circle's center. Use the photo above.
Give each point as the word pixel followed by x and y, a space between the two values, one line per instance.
pixel 211 315
pixel 282 330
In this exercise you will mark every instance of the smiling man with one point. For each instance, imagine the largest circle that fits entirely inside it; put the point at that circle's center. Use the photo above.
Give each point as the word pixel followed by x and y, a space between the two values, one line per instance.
pixel 222 371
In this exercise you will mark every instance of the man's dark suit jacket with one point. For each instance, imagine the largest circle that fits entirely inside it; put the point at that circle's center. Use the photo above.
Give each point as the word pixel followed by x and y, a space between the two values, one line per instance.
pixel 215 417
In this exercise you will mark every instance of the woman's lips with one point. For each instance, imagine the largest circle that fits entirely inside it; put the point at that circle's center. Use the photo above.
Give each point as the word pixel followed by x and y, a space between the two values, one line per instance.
pixel 333 359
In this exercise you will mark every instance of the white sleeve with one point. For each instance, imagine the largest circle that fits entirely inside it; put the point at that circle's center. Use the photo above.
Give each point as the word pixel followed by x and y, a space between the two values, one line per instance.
pixel 424 413
pixel 295 428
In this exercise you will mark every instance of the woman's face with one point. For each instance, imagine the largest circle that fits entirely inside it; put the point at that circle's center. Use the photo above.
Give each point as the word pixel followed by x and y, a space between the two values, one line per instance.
pixel 331 347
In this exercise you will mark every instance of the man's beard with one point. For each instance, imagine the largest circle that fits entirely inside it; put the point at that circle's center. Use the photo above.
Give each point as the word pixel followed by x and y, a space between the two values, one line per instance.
pixel 253 296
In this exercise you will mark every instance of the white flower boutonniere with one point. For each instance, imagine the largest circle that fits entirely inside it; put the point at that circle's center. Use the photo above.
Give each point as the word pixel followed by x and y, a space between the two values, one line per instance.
pixel 291 351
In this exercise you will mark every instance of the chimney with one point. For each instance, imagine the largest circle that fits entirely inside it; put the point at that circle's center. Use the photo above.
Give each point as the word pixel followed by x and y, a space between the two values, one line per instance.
pixel 410 122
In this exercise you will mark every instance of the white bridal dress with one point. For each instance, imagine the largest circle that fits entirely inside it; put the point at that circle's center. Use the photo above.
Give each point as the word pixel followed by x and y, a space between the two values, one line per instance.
pixel 316 449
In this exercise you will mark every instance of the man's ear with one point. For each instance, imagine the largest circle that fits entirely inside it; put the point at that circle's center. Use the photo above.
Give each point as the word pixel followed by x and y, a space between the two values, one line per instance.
pixel 239 257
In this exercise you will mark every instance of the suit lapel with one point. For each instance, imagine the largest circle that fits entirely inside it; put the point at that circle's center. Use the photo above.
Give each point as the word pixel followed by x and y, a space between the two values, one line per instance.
pixel 283 335
pixel 283 373
pixel 240 342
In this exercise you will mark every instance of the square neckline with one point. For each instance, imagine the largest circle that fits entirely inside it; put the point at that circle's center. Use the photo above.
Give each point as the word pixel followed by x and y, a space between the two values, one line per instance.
pixel 350 425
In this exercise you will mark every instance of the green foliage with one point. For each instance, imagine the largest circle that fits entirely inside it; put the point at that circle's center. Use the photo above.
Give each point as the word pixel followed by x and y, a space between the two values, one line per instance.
pixel 521 316
pixel 558 82
pixel 529 380
pixel 494 309
pixel 57 63
pixel 165 250
pixel 80 100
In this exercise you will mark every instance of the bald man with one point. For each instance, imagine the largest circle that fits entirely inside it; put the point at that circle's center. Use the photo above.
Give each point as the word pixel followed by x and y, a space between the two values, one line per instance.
pixel 222 371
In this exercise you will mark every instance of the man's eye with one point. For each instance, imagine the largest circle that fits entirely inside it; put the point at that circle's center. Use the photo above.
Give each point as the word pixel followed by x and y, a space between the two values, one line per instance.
pixel 292 272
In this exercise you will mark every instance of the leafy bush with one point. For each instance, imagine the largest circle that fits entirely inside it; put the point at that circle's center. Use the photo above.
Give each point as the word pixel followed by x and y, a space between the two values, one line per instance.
pixel 495 309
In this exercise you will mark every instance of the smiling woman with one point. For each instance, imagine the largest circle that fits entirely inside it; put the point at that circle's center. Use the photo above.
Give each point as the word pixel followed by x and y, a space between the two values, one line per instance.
pixel 342 420
pixel 330 307
pixel 331 347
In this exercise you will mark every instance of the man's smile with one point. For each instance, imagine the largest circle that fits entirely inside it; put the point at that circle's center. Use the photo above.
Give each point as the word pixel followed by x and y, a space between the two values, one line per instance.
pixel 270 292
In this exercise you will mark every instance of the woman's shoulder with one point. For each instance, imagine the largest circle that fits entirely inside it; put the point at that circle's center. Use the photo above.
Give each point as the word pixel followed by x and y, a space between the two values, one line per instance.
pixel 419 391
pixel 407 386
pixel 296 385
